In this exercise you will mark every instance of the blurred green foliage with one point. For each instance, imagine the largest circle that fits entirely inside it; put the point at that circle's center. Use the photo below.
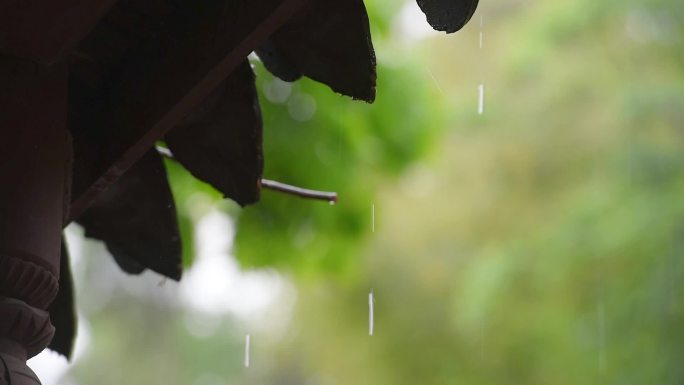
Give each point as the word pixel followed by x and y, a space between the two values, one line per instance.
pixel 539 243
pixel 348 147
pixel 318 139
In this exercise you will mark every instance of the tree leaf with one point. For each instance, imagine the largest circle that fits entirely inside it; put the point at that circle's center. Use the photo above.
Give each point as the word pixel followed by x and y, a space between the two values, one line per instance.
pixel 330 42
pixel 136 218
pixel 220 143
pixel 448 15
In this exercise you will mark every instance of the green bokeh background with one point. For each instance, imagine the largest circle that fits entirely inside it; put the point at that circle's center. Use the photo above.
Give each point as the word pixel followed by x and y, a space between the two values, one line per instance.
pixel 539 243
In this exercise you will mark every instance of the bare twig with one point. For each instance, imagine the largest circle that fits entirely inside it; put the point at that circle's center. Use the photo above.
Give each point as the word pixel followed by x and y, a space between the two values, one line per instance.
pixel 330 197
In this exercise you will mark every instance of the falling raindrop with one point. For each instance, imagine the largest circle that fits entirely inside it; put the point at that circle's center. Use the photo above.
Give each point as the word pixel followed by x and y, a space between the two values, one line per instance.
pixel 482 340
pixel 480 87
pixel 373 217
pixel 601 318
pixel 247 346
pixel 481 30
pixel 371 315
pixel 434 80
pixel 480 99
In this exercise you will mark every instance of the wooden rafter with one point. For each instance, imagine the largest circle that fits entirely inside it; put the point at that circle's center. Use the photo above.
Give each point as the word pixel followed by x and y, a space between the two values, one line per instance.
pixel 154 97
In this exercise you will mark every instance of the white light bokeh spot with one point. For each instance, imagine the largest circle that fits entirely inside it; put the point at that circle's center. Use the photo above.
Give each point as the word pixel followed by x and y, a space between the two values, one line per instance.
pixel 216 285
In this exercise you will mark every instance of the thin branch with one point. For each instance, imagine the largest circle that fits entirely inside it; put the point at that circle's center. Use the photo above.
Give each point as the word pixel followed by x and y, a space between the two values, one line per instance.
pixel 330 197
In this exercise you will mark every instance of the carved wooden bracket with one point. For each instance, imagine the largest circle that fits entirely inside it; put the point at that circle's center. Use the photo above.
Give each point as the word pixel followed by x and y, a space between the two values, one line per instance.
pixel 24 332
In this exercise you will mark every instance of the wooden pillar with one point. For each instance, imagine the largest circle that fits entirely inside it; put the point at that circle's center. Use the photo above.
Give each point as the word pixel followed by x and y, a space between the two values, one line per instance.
pixel 34 154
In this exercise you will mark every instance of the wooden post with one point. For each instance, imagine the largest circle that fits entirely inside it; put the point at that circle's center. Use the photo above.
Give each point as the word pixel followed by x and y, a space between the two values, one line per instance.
pixel 34 153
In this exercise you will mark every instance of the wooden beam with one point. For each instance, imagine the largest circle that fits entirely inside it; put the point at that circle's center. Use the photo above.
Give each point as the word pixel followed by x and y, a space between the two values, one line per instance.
pixel 45 30
pixel 169 78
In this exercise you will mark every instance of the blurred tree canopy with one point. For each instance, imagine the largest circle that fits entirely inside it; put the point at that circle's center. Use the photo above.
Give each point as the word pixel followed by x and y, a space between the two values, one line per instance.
pixel 547 248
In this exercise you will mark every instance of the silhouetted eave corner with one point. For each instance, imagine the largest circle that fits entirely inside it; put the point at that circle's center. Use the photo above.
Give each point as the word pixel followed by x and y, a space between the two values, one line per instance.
pixel 448 15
